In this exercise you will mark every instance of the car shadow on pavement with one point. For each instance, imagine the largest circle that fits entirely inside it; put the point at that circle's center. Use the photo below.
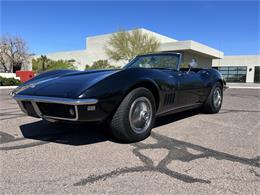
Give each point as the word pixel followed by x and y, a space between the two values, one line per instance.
pixel 83 134
pixel 175 117
pixel 65 133
pixel 42 132
pixel 178 151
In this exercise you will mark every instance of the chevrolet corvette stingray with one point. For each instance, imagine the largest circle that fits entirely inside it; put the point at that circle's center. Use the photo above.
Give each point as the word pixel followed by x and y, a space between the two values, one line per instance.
pixel 129 99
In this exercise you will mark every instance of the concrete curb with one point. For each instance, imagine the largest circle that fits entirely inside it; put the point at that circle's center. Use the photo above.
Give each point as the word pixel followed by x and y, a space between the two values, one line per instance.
pixel 8 87
pixel 244 87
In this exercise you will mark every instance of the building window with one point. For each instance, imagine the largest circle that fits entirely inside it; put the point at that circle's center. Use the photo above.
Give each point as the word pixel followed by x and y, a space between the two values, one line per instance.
pixel 235 74
pixel 257 74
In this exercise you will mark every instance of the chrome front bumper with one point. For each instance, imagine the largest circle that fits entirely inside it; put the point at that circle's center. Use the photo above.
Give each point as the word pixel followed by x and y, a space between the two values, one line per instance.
pixel 53 100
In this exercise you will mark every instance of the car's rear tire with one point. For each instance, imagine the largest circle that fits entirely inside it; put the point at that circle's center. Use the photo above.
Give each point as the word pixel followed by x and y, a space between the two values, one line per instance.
pixel 214 101
pixel 135 116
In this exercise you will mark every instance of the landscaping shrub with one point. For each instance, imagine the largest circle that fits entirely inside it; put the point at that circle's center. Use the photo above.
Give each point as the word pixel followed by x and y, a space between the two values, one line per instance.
pixel 100 64
pixel 9 81
pixel 44 64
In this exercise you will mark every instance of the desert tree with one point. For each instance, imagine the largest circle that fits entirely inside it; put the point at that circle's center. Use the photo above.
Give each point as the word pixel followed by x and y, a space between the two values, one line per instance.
pixel 125 45
pixel 13 53
pixel 100 64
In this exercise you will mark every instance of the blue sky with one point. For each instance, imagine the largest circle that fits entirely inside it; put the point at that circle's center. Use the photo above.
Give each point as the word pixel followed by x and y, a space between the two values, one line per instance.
pixel 231 26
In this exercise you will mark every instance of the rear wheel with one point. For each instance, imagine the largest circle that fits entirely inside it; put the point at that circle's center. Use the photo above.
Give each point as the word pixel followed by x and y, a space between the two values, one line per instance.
pixel 135 116
pixel 214 100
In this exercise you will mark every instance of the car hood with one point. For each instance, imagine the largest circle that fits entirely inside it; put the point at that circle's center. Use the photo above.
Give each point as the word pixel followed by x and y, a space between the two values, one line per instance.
pixel 69 85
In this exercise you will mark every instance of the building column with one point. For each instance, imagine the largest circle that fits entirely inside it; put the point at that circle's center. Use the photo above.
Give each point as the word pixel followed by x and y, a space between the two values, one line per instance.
pixel 250 73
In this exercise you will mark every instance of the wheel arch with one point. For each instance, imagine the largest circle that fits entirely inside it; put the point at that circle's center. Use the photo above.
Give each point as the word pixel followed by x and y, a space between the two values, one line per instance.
pixel 151 86
pixel 221 82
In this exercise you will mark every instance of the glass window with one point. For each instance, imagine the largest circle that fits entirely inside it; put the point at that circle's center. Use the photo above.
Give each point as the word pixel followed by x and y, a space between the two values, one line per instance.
pixel 241 71
pixel 232 68
pixel 166 61
pixel 223 68
pixel 257 74
pixel 233 73
pixel 241 68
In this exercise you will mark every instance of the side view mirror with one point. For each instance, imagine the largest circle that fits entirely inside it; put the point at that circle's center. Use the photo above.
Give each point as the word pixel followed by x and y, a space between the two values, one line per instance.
pixel 192 64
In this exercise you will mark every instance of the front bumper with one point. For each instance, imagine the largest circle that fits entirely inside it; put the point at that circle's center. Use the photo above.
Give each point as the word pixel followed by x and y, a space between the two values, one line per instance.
pixel 60 108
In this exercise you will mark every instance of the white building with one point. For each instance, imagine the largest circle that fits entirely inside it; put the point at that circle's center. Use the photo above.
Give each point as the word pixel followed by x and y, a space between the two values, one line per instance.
pixel 95 50
pixel 234 68
pixel 243 68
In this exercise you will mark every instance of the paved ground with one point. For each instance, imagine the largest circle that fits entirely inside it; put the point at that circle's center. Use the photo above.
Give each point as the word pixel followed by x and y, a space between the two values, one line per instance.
pixel 244 85
pixel 188 153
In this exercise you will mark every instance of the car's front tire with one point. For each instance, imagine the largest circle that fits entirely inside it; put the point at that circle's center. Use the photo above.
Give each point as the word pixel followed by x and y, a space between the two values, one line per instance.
pixel 135 116
pixel 214 100
pixel 53 121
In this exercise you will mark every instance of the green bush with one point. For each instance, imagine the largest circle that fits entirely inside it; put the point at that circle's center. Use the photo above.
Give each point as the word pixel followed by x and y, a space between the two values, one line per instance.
pixel 9 81
pixel 100 64
pixel 43 64
pixel 60 64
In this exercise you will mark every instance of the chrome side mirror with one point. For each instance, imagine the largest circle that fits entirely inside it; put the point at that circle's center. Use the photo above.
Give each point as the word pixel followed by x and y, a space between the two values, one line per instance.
pixel 193 64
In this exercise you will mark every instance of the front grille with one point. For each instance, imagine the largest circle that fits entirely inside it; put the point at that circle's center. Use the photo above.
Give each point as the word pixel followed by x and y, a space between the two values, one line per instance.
pixel 29 108
pixel 57 110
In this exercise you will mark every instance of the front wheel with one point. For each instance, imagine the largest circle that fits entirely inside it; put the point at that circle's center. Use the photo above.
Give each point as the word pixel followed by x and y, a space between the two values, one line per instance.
pixel 214 100
pixel 50 120
pixel 135 116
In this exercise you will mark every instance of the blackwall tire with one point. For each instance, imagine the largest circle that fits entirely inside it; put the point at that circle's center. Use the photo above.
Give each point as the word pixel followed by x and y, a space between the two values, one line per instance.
pixel 135 116
pixel 214 101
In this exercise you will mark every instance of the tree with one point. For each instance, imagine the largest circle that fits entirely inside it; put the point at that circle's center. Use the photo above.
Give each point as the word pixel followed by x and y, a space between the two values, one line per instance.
pixel 44 60
pixel 43 63
pixel 125 45
pixel 61 64
pixel 13 53
pixel 100 64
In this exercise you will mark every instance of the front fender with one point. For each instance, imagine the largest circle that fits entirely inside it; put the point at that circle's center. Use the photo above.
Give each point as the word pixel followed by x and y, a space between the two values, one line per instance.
pixel 111 90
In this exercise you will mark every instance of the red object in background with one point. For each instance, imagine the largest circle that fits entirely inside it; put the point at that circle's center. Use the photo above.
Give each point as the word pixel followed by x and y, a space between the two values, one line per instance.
pixel 24 75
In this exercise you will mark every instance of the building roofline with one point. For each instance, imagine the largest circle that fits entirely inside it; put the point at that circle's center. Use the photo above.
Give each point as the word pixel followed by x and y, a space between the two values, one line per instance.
pixel 238 56
pixel 192 46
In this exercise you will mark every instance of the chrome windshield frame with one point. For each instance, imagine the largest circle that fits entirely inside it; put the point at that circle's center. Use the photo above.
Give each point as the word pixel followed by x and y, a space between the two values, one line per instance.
pixel 156 54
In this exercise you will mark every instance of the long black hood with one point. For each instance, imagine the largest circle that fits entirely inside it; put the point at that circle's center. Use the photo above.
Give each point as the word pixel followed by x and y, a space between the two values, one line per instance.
pixel 68 85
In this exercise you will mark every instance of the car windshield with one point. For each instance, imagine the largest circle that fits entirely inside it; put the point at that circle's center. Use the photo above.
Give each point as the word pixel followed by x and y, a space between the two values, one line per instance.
pixel 163 61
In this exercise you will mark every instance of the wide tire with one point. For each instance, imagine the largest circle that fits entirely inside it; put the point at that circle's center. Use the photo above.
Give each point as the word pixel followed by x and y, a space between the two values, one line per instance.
pixel 138 105
pixel 214 101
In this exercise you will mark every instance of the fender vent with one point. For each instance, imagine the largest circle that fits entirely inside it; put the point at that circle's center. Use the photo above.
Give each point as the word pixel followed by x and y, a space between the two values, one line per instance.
pixel 168 99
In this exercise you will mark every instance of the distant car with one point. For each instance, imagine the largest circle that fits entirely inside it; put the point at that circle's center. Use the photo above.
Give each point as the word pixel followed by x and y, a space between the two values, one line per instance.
pixel 129 98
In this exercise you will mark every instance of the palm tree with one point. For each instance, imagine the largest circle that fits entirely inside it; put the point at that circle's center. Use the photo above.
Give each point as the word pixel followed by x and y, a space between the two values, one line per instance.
pixel 44 59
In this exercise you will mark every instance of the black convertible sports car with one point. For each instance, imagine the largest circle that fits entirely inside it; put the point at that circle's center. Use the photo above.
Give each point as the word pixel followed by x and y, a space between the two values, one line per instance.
pixel 129 98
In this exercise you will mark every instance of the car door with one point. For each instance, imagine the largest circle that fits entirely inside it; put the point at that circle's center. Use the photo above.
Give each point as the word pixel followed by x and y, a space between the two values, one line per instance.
pixel 190 88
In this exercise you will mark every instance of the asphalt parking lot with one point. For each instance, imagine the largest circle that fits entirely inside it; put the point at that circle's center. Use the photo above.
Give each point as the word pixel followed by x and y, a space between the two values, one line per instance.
pixel 187 153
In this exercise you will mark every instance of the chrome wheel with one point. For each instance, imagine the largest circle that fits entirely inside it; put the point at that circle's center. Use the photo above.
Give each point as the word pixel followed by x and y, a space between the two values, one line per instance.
pixel 217 97
pixel 140 115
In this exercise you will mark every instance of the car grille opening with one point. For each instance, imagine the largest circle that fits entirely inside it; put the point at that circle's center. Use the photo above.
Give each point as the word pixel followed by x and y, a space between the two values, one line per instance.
pixel 29 108
pixel 57 110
